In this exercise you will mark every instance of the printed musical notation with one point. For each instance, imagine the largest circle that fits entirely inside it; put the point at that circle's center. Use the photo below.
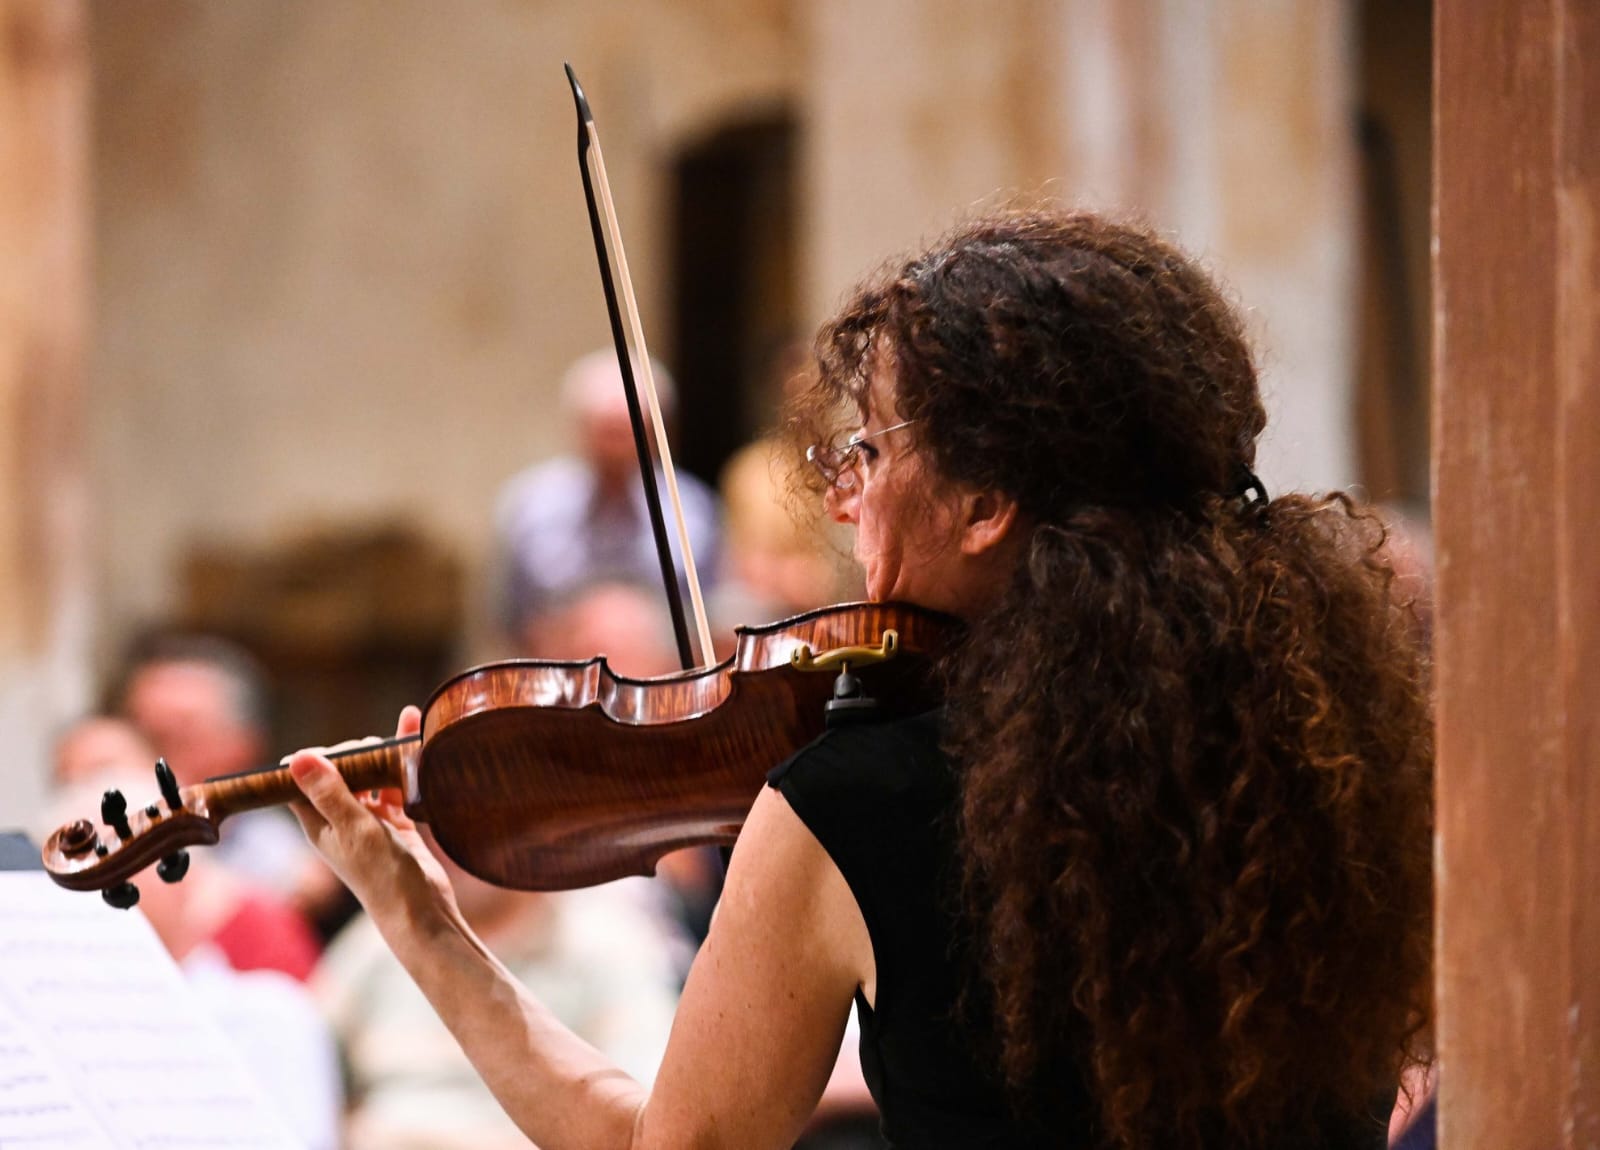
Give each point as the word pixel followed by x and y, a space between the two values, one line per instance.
pixel 101 1046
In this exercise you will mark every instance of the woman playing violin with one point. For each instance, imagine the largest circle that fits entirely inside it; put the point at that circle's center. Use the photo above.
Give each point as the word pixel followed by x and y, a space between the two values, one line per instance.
pixel 1156 875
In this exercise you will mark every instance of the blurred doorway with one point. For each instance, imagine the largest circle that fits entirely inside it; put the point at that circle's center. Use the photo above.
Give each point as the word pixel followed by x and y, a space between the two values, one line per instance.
pixel 1394 125
pixel 735 283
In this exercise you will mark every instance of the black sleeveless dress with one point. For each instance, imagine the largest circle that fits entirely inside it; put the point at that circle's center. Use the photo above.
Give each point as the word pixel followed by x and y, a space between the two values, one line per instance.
pixel 881 799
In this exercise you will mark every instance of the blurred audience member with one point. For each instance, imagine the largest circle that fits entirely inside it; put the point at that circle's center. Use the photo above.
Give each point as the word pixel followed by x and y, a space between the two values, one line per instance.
pixel 202 704
pixel 769 550
pixel 251 927
pixel 1414 1125
pixel 243 952
pixel 1410 549
pixel 592 957
pixel 97 744
pixel 778 558
pixel 576 519
pixel 625 621
pixel 1420 1131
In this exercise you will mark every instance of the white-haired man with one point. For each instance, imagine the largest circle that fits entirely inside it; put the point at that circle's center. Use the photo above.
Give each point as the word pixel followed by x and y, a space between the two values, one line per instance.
pixel 579 519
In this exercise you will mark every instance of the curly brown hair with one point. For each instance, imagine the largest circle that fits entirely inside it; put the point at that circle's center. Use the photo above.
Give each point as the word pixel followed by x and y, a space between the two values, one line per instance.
pixel 1193 732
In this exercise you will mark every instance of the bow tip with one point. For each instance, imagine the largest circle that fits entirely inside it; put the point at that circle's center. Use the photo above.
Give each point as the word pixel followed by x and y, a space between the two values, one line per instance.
pixel 577 94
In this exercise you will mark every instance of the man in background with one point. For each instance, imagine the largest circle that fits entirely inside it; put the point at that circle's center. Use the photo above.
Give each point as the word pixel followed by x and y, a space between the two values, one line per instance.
pixel 202 704
pixel 581 519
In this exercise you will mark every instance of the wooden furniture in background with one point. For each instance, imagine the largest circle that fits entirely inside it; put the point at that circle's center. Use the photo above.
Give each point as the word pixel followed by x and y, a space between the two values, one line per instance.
pixel 351 623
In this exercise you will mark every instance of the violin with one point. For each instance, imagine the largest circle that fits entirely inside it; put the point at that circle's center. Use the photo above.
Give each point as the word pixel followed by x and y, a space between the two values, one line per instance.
pixel 540 774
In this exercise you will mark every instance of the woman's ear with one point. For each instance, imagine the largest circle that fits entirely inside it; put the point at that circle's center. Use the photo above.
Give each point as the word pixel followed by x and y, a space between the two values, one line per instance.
pixel 988 520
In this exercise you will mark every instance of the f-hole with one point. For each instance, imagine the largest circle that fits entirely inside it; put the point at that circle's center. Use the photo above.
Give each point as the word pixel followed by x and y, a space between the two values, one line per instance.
pixel 735 291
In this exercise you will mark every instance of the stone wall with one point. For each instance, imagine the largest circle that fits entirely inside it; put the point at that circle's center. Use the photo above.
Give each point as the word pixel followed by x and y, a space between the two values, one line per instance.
pixel 1227 123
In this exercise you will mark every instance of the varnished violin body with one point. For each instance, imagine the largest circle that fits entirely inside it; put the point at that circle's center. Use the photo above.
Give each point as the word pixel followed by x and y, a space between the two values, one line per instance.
pixel 547 775
pixel 544 775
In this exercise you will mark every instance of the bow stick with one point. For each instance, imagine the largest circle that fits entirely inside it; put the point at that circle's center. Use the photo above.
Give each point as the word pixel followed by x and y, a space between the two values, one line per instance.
pixel 607 235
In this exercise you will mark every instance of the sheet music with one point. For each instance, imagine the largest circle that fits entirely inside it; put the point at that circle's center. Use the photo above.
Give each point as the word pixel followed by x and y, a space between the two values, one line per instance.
pixel 100 1043
pixel 38 1108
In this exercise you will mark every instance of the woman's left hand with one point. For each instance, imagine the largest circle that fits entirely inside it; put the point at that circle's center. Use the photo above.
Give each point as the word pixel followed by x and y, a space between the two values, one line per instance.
pixel 368 840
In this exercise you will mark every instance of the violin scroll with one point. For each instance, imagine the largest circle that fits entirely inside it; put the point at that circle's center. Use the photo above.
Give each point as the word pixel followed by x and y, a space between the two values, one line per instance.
pixel 83 856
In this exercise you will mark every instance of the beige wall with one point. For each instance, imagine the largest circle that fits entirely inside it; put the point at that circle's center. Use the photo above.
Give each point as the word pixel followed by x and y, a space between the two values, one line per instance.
pixel 1225 122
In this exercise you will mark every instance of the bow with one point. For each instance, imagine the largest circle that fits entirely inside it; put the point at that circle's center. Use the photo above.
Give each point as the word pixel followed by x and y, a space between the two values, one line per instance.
pixel 608 236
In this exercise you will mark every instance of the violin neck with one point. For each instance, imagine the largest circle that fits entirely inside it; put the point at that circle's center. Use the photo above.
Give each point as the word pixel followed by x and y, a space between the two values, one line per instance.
pixel 364 768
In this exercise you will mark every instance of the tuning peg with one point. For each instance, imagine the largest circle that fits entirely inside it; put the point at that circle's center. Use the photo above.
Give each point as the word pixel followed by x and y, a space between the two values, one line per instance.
pixel 114 813
pixel 168 783
pixel 123 896
pixel 79 838
pixel 173 867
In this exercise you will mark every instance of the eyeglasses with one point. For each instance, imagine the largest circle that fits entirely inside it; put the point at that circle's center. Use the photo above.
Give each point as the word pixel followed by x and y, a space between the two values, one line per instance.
pixel 838 464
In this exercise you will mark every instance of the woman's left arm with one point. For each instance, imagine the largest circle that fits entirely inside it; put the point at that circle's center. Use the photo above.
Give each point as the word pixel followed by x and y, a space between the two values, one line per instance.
pixel 757 1029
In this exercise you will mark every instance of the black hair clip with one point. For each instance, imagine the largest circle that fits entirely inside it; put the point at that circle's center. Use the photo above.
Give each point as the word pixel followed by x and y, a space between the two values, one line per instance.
pixel 1252 490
